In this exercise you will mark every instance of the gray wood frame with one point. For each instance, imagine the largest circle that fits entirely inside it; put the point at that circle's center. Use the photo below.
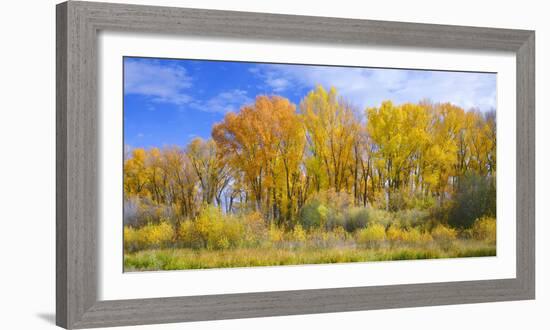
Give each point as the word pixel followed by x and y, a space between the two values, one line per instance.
pixel 77 152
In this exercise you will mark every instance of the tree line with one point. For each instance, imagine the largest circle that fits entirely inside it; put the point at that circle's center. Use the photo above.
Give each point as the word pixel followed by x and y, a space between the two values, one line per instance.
pixel 273 156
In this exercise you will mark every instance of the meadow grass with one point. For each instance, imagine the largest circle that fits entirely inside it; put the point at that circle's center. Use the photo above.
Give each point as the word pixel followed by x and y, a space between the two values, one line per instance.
pixel 185 258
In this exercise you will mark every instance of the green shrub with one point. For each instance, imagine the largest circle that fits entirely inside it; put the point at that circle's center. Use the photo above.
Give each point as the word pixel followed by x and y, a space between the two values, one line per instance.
pixel 378 216
pixel 403 199
pixel 422 202
pixel 325 209
pixel 412 217
pixel 485 229
pixel 313 214
pixel 335 219
pixel 475 197
pixel 440 214
pixel 355 218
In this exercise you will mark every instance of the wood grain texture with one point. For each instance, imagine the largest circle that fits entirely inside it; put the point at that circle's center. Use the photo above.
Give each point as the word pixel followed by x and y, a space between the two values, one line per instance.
pixel 77 158
pixel 77 190
pixel 61 166
pixel 525 165
pixel 295 28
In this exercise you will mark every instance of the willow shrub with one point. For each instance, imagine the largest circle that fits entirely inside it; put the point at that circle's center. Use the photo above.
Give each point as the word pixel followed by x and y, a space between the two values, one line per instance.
pixel 275 235
pixel 255 229
pixel 298 234
pixel 409 235
pixel 371 236
pixel 212 230
pixel 394 234
pixel 149 236
pixel 444 234
pixel 485 229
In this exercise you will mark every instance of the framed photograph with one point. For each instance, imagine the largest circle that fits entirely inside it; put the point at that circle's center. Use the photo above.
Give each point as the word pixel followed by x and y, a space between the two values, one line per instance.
pixel 217 165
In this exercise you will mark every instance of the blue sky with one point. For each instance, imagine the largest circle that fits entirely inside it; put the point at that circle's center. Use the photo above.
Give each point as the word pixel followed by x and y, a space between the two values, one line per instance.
pixel 169 102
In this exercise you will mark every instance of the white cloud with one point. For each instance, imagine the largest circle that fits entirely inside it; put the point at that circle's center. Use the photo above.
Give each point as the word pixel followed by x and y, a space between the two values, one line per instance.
pixel 163 83
pixel 272 80
pixel 224 102
pixel 366 87
pixel 166 83
pixel 278 84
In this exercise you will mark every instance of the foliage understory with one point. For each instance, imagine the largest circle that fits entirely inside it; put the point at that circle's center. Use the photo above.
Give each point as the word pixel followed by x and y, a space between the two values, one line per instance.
pixel 181 259
pixel 217 240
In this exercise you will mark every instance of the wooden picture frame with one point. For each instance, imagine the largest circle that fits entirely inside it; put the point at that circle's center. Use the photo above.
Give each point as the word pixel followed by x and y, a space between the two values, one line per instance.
pixel 78 24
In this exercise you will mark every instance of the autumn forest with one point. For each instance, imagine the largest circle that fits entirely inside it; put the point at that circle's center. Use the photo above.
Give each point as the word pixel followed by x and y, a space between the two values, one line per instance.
pixel 321 181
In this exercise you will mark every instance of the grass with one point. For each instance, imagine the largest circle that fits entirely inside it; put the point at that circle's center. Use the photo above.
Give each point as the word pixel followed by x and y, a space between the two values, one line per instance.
pixel 183 258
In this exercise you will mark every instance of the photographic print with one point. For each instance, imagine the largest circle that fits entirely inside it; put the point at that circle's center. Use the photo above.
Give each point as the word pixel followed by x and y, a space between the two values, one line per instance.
pixel 243 164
